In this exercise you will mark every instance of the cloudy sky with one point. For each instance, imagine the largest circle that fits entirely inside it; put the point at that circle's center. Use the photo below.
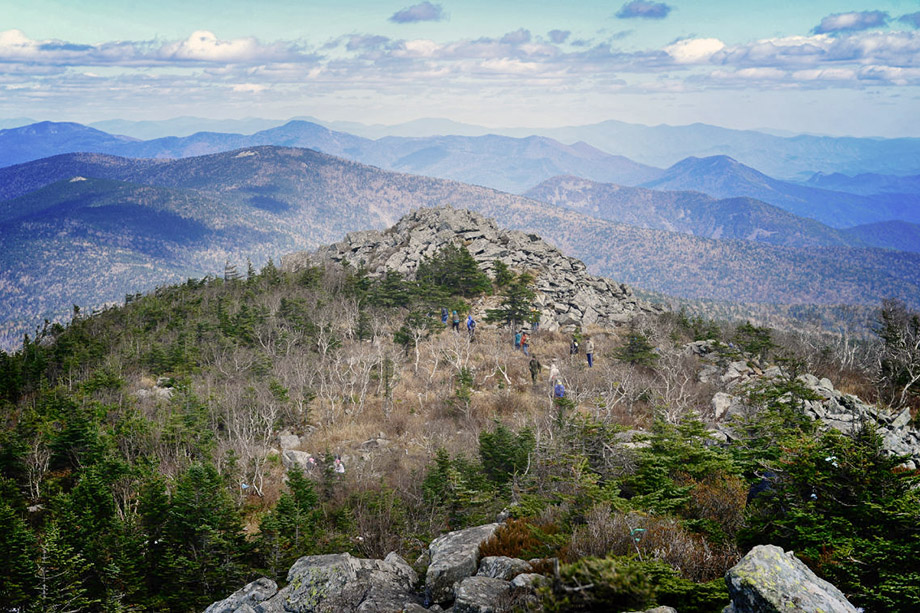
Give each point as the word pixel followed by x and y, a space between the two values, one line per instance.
pixel 811 65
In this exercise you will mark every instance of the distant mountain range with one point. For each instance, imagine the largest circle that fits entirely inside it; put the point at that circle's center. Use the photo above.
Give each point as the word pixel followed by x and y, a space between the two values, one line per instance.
pixel 723 177
pixel 509 164
pixel 88 228
pixel 866 183
pixel 500 162
pixel 777 153
pixel 691 212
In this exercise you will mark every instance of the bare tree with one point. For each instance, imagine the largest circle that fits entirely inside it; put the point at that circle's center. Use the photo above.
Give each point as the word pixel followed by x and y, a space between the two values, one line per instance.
pixel 899 360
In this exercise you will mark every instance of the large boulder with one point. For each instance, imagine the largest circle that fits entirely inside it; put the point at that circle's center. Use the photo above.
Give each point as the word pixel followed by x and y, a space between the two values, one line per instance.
pixel 482 595
pixel 454 556
pixel 244 598
pixel 340 583
pixel 770 580
pixel 502 567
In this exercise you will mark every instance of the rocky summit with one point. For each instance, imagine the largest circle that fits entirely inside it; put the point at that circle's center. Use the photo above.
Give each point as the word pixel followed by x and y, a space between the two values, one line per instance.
pixel 567 295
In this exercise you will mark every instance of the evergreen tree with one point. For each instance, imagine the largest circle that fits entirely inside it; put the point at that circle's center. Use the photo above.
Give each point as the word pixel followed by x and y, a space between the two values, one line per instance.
pixel 637 349
pixel 288 531
pixel 501 273
pixel 517 301
pixel 61 573
pixel 17 555
pixel 204 539
pixel 454 269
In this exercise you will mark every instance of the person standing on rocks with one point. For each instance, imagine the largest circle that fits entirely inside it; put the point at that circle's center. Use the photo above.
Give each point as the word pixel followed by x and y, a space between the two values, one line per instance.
pixel 589 351
pixel 455 321
pixel 535 368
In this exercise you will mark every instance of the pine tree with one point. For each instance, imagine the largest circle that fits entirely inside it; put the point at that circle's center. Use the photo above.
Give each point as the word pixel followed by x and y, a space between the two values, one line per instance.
pixel 17 566
pixel 61 573
pixel 454 269
pixel 517 302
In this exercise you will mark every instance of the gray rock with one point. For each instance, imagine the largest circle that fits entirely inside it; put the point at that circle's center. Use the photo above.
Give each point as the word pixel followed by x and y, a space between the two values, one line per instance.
pixel 291 458
pixel 288 440
pixel 721 402
pixel 255 592
pixel 502 567
pixel 528 581
pixel 482 595
pixel 769 580
pixel 454 556
pixel 902 419
pixel 568 295
pixel 340 583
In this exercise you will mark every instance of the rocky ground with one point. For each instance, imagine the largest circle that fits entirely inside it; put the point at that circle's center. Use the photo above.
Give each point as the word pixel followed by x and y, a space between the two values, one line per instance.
pixel 567 296
pixel 766 580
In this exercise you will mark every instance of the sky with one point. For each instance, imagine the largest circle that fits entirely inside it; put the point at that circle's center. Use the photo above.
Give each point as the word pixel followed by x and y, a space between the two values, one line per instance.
pixel 841 68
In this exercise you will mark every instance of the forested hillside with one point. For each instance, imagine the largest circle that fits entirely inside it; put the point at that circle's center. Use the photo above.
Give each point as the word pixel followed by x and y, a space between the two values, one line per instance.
pixel 261 203
pixel 144 449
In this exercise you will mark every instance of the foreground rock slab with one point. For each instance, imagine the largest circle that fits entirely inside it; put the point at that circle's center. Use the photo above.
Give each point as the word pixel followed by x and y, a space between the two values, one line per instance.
pixel 454 556
pixel 770 580
pixel 245 598
pixel 340 583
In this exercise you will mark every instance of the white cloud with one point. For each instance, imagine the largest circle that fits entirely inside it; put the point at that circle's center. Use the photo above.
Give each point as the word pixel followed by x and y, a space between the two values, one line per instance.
pixel 511 66
pixel 249 88
pixel 204 46
pixel 694 50
pixel 852 22
pixel 418 48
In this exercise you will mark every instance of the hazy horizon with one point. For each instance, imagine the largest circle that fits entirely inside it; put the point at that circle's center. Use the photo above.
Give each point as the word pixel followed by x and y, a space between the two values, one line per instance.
pixel 803 68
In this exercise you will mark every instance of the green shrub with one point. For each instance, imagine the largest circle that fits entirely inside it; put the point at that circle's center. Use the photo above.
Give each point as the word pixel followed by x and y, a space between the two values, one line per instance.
pixel 628 584
pixel 504 453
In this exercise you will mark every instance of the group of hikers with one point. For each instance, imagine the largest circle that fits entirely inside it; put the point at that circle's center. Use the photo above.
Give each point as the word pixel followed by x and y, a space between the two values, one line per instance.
pixel 454 318
pixel 522 343
pixel 338 465
pixel 535 367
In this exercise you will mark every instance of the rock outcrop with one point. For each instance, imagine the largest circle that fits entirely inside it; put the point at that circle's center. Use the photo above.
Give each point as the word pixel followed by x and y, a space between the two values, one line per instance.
pixel 833 409
pixel 769 580
pixel 567 296
pixel 766 580
pixel 454 556
pixel 338 583
pixel 244 599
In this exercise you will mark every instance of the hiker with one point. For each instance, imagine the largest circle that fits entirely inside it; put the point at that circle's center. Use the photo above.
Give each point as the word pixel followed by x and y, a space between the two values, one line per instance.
pixel 517 340
pixel 559 390
pixel 535 319
pixel 525 343
pixel 535 368
pixel 553 371
pixel 455 321
pixel 470 325
pixel 339 467
pixel 573 347
pixel 589 351
pixel 444 315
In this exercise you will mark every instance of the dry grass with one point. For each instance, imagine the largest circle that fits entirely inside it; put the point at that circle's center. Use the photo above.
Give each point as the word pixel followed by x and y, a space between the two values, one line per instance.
pixel 614 533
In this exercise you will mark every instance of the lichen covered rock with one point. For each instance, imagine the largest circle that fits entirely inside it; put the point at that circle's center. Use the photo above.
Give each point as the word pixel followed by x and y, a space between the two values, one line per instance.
pixel 770 580
pixel 454 556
